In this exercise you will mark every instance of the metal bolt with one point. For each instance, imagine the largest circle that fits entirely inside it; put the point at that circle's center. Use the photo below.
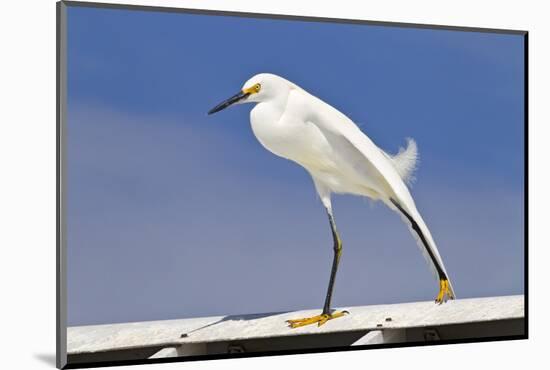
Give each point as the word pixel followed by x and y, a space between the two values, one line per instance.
pixel 235 348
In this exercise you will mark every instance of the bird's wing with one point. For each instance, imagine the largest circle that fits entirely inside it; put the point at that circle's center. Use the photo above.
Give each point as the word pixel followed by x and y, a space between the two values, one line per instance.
pixel 366 157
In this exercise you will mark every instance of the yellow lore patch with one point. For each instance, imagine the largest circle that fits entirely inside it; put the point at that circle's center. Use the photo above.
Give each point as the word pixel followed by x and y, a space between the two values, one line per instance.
pixel 253 90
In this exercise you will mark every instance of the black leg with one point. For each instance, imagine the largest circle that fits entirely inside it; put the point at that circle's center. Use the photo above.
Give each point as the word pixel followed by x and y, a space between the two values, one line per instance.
pixel 335 261
pixel 326 314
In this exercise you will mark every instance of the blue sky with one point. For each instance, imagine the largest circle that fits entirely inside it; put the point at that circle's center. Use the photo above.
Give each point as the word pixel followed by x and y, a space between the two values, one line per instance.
pixel 172 213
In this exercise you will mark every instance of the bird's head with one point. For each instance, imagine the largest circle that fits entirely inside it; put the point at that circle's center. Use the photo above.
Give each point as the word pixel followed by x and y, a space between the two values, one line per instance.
pixel 260 88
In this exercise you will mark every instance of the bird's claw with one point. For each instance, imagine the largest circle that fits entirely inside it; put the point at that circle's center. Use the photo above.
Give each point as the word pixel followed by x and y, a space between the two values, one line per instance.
pixel 319 319
pixel 444 292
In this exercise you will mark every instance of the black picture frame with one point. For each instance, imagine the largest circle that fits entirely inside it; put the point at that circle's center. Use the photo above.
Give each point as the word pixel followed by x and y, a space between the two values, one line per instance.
pixel 61 219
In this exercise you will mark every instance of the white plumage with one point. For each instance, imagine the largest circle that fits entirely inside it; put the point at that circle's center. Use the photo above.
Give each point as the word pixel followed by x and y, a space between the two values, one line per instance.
pixel 294 124
pixel 406 161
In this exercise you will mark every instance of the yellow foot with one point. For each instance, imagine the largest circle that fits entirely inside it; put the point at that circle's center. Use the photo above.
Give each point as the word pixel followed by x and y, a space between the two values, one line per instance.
pixel 319 319
pixel 444 292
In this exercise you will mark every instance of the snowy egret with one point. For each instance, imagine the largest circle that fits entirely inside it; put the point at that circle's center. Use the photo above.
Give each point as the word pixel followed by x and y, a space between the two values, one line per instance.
pixel 294 124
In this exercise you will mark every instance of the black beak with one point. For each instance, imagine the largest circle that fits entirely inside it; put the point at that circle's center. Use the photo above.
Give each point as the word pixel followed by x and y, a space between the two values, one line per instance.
pixel 232 100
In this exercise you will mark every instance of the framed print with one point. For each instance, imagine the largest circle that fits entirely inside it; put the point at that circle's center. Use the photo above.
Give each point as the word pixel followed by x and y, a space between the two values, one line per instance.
pixel 235 184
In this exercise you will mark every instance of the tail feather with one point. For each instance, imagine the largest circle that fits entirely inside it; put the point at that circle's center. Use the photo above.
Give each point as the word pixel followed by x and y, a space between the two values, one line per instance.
pixel 405 161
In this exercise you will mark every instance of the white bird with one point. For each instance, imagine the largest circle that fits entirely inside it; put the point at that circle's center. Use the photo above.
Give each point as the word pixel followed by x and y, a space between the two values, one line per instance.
pixel 293 124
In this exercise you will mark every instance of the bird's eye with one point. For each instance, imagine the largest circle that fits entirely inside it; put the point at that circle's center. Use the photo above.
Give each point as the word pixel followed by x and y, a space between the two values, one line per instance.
pixel 258 87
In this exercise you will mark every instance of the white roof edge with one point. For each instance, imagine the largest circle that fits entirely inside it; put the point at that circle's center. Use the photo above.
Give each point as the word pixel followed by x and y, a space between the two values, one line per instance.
pixel 97 338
